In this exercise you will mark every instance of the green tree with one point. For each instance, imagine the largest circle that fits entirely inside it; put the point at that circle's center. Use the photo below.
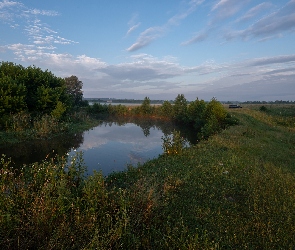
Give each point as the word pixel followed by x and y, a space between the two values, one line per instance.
pixel 180 108
pixel 145 107
pixel 74 89
pixel 44 90
pixel 195 113
pixel 12 90
pixel 166 109
pixel 12 96
pixel 30 89
pixel 215 116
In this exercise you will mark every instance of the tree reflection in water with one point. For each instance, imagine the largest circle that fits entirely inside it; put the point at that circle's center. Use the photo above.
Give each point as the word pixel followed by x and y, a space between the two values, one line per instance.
pixel 38 150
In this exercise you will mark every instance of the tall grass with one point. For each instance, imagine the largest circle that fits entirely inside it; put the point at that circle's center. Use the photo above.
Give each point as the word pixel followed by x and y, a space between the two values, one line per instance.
pixel 25 126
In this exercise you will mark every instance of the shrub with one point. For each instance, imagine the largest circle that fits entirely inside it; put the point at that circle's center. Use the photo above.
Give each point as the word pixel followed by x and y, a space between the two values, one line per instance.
pixel 263 109
pixel 173 144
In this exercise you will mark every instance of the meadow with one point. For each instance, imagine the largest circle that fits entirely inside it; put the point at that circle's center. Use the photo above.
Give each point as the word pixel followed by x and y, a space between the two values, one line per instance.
pixel 233 190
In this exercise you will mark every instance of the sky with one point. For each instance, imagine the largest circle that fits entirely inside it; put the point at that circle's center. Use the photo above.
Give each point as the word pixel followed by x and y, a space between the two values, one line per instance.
pixel 231 50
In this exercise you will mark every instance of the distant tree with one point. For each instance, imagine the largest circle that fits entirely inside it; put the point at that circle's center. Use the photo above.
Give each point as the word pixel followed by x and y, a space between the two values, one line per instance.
pixel 74 89
pixel 180 108
pixel 166 109
pixel 145 107
pixel 195 113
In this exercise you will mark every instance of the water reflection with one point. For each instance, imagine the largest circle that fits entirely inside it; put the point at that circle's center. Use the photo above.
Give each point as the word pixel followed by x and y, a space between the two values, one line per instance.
pixel 110 146
pixel 38 150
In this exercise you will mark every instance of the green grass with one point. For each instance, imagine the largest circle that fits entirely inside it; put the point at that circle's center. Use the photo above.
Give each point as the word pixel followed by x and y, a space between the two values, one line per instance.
pixel 235 190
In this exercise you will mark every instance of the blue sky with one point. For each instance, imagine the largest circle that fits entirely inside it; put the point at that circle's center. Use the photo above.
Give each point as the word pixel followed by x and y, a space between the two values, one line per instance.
pixel 227 49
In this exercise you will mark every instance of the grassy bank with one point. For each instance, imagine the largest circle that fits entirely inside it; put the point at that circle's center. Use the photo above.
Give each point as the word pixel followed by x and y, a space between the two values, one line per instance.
pixel 235 190
pixel 23 127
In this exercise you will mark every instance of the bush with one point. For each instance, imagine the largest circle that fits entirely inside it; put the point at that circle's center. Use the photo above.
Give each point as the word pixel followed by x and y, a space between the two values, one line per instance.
pixel 97 108
pixel 263 109
pixel 174 144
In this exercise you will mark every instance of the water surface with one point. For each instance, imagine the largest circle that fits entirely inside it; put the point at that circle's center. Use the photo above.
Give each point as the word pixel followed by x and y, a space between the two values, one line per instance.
pixel 108 147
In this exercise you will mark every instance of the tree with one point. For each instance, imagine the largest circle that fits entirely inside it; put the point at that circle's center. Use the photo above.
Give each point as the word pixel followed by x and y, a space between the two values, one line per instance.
pixel 180 108
pixel 145 107
pixel 166 109
pixel 12 90
pixel 195 113
pixel 74 89
pixel 12 96
pixel 30 89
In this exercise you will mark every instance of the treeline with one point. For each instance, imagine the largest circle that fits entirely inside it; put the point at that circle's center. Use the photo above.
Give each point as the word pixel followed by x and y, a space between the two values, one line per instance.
pixel 206 117
pixel 269 102
pixel 31 97
pixel 114 100
pixel 36 91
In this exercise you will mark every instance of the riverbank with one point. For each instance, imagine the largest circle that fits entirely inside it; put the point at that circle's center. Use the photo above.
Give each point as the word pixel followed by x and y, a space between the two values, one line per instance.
pixel 235 190
pixel 232 191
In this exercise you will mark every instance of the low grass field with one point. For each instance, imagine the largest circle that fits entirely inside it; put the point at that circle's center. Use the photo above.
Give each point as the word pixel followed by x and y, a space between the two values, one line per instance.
pixel 235 190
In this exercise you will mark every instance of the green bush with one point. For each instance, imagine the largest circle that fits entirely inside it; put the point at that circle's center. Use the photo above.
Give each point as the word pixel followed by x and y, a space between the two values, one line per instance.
pixel 97 108
pixel 173 144
pixel 166 109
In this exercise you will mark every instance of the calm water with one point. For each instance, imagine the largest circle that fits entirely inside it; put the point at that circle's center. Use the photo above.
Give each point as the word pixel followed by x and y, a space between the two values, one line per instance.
pixel 110 146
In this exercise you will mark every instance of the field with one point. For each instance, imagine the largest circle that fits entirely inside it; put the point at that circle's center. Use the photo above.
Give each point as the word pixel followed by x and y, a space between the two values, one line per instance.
pixel 235 190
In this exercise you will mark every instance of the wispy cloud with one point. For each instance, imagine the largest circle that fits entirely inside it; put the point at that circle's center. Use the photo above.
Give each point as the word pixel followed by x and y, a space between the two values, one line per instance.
pixel 19 16
pixel 153 33
pixel 272 60
pixel 146 37
pixel 272 25
pixel 133 24
pixel 226 8
pixel 197 38
pixel 254 11
pixel 261 24
pixel 42 12
pixel 132 28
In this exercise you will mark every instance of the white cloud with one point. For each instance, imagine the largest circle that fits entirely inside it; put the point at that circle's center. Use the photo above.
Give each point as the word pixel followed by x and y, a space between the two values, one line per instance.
pixel 22 17
pixel 270 26
pixel 133 28
pixel 146 37
pixel 255 11
pixel 42 12
pixel 153 33
pixel 197 38
pixel 226 8
pixel 7 3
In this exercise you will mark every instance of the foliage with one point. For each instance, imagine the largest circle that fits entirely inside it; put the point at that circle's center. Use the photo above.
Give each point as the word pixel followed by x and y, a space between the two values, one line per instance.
pixel 120 110
pixel 166 109
pixel 235 190
pixel 49 205
pixel 74 90
pixel 97 108
pixel 180 108
pixel 145 107
pixel 263 109
pixel 44 90
pixel 12 96
pixel 195 113
pixel 173 144
pixel 59 110
pixel 30 89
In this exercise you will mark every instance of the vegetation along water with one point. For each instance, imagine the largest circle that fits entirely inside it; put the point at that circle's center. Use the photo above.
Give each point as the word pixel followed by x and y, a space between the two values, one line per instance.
pixel 235 189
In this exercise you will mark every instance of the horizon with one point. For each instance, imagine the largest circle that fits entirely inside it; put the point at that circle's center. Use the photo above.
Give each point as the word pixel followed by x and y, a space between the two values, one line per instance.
pixel 227 49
